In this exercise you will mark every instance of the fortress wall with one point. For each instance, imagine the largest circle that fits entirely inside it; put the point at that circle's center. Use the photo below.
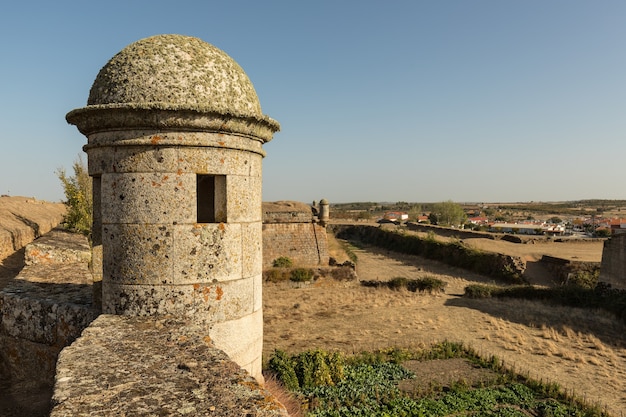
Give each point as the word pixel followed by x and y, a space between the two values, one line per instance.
pixel 305 244
pixel 23 219
pixel 45 307
pixel 613 266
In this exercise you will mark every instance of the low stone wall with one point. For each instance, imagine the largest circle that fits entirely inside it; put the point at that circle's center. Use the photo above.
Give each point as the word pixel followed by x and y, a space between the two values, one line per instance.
pixel 23 219
pixel 127 366
pixel 563 268
pixel 306 244
pixel 448 232
pixel 45 307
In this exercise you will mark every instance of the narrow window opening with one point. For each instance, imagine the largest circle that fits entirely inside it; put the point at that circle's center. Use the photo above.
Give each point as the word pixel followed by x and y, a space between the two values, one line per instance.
pixel 211 198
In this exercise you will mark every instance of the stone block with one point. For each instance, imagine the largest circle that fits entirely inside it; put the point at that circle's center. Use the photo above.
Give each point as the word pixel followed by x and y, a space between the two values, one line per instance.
pixel 241 339
pixel 244 198
pixel 138 253
pixel 222 161
pixel 252 248
pixel 148 198
pixel 204 303
pixel 145 159
pixel 207 252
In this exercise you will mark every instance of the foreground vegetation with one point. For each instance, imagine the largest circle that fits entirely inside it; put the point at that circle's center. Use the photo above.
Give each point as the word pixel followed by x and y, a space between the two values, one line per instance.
pixel 329 384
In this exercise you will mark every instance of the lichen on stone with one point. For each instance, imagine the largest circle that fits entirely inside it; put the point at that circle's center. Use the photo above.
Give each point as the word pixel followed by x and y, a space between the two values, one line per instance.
pixel 175 71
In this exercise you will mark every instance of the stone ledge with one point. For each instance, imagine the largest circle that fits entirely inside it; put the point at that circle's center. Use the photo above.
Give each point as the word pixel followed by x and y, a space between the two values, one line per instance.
pixel 146 366
pixel 58 247
pixel 45 308
pixel 24 219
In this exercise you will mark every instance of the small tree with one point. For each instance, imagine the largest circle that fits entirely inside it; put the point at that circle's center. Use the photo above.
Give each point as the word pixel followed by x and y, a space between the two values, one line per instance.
pixel 78 189
pixel 448 213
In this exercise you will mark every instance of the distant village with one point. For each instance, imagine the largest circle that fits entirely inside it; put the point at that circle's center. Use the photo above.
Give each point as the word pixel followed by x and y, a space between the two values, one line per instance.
pixel 589 223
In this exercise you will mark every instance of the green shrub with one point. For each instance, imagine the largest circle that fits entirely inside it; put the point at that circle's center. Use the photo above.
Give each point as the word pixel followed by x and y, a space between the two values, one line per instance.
pixel 397 283
pixel 282 262
pixel 427 284
pixel 301 274
pixel 308 369
pixel 283 367
pixel 479 291
pixel 78 194
pixel 276 275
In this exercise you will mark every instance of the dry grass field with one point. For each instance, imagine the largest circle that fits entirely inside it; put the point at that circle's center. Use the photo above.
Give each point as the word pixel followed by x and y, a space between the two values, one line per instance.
pixel 584 351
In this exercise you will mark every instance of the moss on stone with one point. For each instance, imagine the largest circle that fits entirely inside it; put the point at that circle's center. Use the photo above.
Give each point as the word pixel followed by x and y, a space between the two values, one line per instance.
pixel 173 72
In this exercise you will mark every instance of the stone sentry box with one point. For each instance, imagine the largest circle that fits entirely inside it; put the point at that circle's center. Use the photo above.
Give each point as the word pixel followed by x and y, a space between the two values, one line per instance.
pixel 175 134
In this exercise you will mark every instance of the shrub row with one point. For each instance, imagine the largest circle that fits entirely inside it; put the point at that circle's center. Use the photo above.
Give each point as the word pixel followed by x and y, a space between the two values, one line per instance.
pixel 427 284
pixel 601 297
pixel 291 274
pixel 453 253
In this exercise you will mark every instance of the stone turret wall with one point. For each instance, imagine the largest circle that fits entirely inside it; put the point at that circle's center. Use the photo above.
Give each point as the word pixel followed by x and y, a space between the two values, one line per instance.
pixel 613 266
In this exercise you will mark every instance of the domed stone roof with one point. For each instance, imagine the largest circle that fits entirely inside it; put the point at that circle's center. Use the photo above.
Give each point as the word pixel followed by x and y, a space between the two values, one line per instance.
pixel 185 83
pixel 175 72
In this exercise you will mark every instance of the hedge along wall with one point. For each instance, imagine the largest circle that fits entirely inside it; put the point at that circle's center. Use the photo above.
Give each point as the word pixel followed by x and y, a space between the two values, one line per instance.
pixel 510 268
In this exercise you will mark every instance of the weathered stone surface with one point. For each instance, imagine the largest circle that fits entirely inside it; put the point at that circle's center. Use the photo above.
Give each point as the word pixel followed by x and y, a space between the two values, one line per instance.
pixel 153 367
pixel 45 307
pixel 287 212
pixel 178 173
pixel 306 244
pixel 613 266
pixel 23 219
pixel 56 247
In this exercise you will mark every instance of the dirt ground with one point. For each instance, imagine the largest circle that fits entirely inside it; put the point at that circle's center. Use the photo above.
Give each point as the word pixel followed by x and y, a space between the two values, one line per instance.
pixel 583 351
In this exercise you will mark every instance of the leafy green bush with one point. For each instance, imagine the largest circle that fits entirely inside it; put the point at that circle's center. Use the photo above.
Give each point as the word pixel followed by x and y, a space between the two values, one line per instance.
pixel 307 370
pixel 282 262
pixel 283 366
pixel 301 274
pixel 78 194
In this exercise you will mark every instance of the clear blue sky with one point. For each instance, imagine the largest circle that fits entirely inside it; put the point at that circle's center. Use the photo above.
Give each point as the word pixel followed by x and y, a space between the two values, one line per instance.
pixel 423 101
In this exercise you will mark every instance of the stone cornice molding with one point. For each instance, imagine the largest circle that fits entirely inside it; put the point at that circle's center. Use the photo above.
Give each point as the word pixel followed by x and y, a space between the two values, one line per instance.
pixel 169 117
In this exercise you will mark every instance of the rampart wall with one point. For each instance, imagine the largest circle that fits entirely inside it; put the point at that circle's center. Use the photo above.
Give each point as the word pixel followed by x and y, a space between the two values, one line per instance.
pixel 306 244
pixel 24 219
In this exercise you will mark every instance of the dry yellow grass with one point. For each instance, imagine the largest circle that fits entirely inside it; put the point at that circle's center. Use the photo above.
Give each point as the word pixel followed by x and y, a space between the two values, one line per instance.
pixel 582 350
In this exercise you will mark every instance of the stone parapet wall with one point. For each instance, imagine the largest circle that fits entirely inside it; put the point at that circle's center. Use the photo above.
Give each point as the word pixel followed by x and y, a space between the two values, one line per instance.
pixel 23 219
pixel 564 268
pixel 306 244
pixel 613 266
pixel 45 307
pixel 287 212
pixel 152 367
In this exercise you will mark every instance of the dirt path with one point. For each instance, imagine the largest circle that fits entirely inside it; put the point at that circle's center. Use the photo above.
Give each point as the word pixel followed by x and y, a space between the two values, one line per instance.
pixel 581 350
